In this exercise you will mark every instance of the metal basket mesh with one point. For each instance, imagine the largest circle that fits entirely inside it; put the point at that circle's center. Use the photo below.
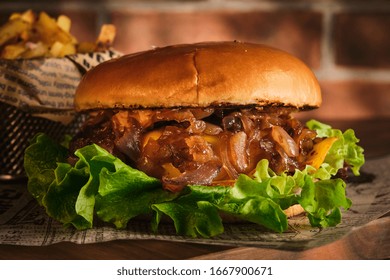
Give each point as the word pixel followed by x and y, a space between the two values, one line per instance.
pixel 17 128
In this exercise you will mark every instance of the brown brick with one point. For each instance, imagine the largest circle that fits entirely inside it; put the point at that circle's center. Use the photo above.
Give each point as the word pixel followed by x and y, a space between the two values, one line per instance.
pixel 83 25
pixel 363 39
pixel 353 100
pixel 297 32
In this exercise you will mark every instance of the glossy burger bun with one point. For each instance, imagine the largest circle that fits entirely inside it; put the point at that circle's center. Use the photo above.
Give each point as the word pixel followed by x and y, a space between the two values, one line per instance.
pixel 200 75
pixel 227 74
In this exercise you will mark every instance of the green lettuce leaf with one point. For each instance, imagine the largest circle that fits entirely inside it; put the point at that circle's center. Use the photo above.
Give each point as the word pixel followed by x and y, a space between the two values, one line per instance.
pixel 322 201
pixel 191 216
pixel 101 186
pixel 125 193
pixel 62 195
pixel 40 161
pixel 344 150
pixel 99 183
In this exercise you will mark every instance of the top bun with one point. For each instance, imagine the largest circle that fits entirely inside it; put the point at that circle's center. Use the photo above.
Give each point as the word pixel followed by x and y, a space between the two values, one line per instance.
pixel 219 74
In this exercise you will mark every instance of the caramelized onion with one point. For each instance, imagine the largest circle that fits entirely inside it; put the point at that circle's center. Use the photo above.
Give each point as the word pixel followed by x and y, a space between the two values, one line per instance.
pixel 212 129
pixel 280 136
pixel 248 125
pixel 144 117
pixel 199 113
pixel 203 175
pixel 237 145
pixel 305 140
pixel 173 115
pixel 232 123
pixel 225 158
pixel 285 163
pixel 200 145
pixel 128 144
pixel 196 126
pixel 127 139
pixel 199 149
pixel 98 118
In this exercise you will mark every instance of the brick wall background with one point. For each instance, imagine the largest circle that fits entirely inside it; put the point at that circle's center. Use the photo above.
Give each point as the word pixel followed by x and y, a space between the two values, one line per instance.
pixel 345 42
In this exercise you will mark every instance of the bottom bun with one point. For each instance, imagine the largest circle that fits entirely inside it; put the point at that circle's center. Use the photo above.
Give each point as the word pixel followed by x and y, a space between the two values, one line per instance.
pixel 294 210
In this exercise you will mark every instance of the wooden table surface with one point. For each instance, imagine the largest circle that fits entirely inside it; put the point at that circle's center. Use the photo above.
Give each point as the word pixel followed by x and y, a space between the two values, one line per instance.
pixel 369 242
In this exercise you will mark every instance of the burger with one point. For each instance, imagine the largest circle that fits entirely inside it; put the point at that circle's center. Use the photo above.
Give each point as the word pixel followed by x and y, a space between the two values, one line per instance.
pixel 201 134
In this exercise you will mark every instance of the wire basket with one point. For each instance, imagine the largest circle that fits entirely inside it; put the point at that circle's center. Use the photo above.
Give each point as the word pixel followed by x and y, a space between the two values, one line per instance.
pixel 17 128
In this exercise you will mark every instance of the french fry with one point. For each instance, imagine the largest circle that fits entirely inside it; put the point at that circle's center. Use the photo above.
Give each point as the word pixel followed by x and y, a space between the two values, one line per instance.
pixel 14 16
pixel 12 29
pixel 35 50
pixel 86 47
pixel 59 49
pixel 27 16
pixel 68 49
pixel 50 32
pixel 107 34
pixel 13 51
pixel 56 49
pixel 26 35
pixel 64 23
pixel 106 37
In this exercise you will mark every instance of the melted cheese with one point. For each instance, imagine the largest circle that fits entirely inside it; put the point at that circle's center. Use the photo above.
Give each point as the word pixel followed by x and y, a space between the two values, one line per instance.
pixel 319 152
pixel 154 135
